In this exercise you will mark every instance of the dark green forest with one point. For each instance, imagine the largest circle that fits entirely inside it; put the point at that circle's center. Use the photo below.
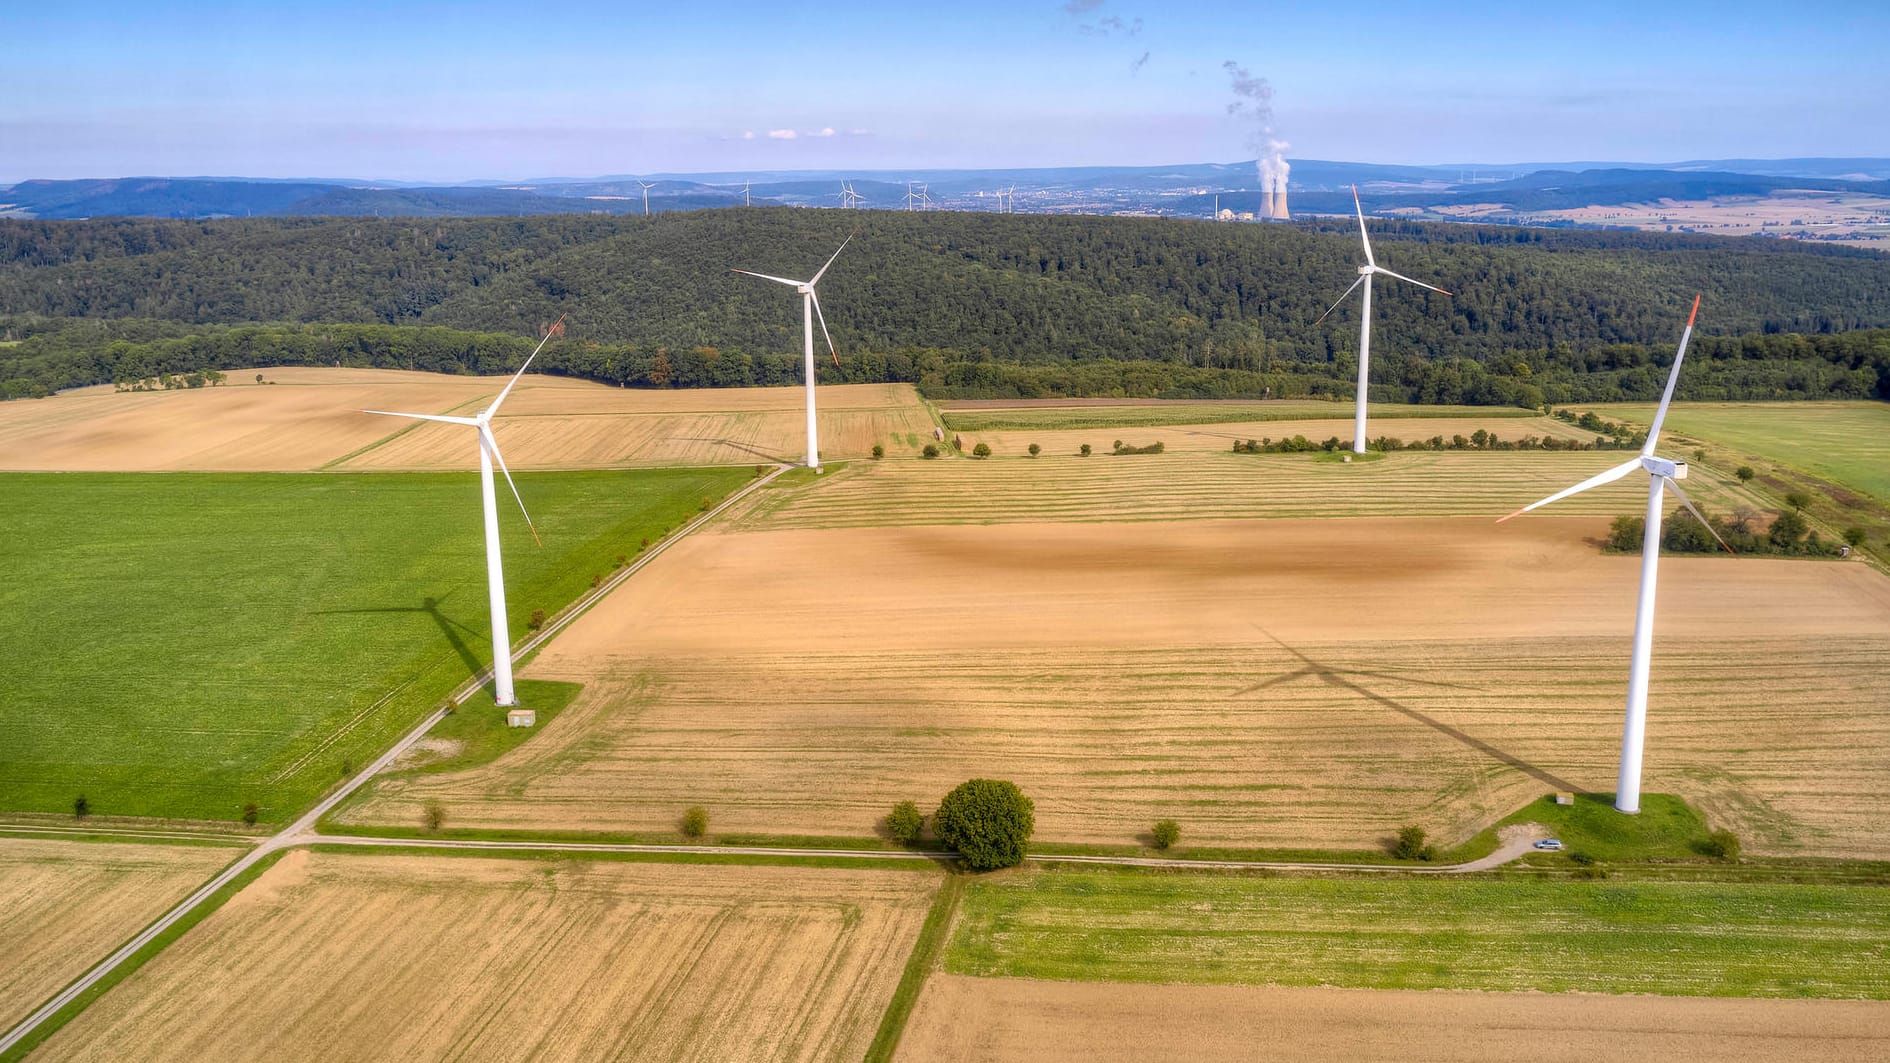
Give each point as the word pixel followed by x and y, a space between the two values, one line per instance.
pixel 963 304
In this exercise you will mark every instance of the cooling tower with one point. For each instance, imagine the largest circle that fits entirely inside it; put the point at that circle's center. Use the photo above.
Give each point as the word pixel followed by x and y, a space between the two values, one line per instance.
pixel 1267 202
pixel 1279 203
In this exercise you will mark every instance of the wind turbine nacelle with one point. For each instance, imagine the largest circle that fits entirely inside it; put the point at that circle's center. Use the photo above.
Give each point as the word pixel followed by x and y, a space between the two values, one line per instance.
pixel 1366 271
pixel 1672 470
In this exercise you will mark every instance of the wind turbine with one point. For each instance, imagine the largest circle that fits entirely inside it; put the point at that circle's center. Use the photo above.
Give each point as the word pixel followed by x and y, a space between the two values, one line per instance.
pixel 745 202
pixel 1661 474
pixel 495 572
pixel 810 309
pixel 646 195
pixel 1365 273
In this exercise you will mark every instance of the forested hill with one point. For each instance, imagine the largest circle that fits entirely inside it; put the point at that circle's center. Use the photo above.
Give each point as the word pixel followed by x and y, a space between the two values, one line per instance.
pixel 960 302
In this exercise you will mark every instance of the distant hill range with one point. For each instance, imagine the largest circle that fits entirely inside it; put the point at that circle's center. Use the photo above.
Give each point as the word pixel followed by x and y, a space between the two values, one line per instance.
pixel 1192 190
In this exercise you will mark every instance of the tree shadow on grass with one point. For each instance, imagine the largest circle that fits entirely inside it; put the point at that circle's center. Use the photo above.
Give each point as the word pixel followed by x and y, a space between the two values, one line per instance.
pixel 1338 677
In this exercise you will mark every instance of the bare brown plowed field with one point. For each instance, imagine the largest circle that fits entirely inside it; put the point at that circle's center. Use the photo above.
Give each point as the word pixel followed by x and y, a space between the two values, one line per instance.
pixel 310 418
pixel 1281 683
pixel 1184 438
pixel 1206 486
pixel 64 905
pixel 358 957
pixel 617 427
pixel 995 1020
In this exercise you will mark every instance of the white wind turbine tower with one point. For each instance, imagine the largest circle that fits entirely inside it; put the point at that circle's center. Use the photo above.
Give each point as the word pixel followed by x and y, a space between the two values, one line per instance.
pixel 745 194
pixel 1661 475
pixel 810 309
pixel 1365 273
pixel 646 195
pixel 495 572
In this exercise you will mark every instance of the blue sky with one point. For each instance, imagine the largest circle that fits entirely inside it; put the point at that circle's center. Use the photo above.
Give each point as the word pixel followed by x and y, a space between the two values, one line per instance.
pixel 454 91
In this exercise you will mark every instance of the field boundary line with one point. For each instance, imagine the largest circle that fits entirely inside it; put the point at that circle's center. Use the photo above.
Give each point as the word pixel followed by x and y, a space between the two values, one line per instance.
pixel 304 826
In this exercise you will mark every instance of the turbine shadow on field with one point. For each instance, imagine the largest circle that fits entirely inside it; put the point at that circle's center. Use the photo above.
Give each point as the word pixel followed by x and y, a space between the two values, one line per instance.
pixel 449 628
pixel 731 444
pixel 1337 677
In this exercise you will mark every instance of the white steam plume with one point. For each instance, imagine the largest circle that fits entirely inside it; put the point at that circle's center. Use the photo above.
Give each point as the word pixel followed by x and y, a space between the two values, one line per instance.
pixel 1253 100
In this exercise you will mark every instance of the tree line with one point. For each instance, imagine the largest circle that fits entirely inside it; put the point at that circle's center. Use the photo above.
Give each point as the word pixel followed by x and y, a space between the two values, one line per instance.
pixel 963 304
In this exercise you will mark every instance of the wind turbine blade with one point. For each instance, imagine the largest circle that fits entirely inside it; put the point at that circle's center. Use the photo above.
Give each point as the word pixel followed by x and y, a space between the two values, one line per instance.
pixel 1593 481
pixel 491 444
pixel 1674 486
pixel 822 318
pixel 836 254
pixel 1369 260
pixel 766 277
pixel 1342 298
pixel 1673 377
pixel 1407 280
pixel 440 417
pixel 550 332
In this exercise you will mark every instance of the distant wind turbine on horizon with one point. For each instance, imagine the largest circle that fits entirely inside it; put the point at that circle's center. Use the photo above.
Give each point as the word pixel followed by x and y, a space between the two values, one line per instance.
pixel 502 692
pixel 646 195
pixel 810 310
pixel 1365 274
pixel 1661 475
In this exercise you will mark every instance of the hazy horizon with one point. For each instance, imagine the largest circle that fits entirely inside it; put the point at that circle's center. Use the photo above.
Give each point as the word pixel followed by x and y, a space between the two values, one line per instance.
pixel 440 93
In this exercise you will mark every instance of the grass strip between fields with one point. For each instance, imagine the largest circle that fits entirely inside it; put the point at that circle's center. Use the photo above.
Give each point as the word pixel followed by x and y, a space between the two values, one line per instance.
pixel 137 959
pixel 919 967
pixel 1517 934
pixel 1054 418
pixel 854 863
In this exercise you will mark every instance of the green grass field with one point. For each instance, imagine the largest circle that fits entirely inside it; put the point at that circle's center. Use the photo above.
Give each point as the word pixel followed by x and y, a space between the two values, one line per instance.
pixel 180 644
pixel 1067 417
pixel 1845 442
pixel 1682 939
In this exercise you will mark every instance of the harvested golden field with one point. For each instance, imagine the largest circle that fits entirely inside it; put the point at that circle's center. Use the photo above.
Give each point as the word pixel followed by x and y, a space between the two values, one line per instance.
pixel 342 957
pixel 310 418
pixel 601 427
pixel 1014 442
pixel 1266 683
pixel 994 1020
pixel 64 905
pixel 1210 486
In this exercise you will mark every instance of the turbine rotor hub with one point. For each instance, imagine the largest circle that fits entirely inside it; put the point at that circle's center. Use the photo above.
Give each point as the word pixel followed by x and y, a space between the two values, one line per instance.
pixel 1366 271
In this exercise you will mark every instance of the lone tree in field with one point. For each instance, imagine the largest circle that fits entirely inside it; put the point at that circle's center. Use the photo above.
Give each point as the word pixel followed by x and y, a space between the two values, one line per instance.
pixel 250 812
pixel 904 823
pixel 695 822
pixel 982 450
pixel 879 451
pixel 433 814
pixel 1084 450
pixel 537 621
pixel 930 451
pixel 1745 473
pixel 1035 450
pixel 1722 845
pixel 987 821
pixel 81 808
pixel 1410 843
pixel 1166 833
pixel 1798 500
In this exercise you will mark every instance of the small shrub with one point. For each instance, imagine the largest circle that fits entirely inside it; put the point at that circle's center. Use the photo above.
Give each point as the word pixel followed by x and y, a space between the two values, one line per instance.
pixel 1410 843
pixel 1798 500
pixel 1427 853
pixel 1722 845
pixel 904 823
pixel 259 378
pixel 81 808
pixel 1083 451
pixel 347 766
pixel 250 812
pixel 878 451
pixel 537 620
pixel 1035 450
pixel 695 822
pixel 982 450
pixel 1855 536
pixel 597 579
pixel 930 451
pixel 1166 833
pixel 1745 473
pixel 622 559
pixel 987 821
pixel 1699 454
pixel 958 443
pixel 433 813
pixel 1581 859
pixel 1593 871
pixel 646 543
pixel 708 504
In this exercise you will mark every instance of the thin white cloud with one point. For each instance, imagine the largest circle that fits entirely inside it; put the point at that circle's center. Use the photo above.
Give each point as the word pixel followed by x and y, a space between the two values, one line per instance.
pixel 748 134
pixel 826 131
pixel 782 134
